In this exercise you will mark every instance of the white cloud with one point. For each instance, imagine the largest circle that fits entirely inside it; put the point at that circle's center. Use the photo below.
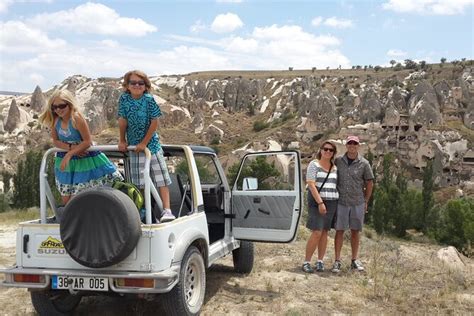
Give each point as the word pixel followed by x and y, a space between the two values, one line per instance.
pixel 30 41
pixel 270 47
pixel 338 23
pixel 93 18
pixel 435 7
pixel 197 27
pixel 316 21
pixel 242 45
pixel 35 77
pixel 110 43
pixel 225 23
pixel 4 4
pixel 396 53
pixel 280 47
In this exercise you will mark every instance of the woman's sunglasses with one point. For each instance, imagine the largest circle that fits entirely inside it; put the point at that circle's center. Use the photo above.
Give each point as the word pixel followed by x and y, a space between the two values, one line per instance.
pixel 327 149
pixel 54 107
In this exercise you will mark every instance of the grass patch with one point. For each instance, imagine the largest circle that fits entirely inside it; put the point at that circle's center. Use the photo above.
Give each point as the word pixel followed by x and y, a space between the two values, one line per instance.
pixel 462 129
pixel 17 216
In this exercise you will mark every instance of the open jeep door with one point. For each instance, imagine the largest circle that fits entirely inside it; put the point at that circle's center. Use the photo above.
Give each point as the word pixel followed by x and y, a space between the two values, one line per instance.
pixel 266 197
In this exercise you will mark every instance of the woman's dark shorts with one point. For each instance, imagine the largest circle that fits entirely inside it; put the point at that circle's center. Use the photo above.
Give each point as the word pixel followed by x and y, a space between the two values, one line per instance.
pixel 316 221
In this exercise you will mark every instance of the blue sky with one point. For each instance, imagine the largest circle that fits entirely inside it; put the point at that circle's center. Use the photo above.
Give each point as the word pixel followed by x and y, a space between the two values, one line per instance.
pixel 42 42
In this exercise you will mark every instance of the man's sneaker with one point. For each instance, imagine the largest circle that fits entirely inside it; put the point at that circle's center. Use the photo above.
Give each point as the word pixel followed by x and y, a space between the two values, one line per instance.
pixel 319 266
pixel 336 267
pixel 356 265
pixel 307 267
pixel 167 216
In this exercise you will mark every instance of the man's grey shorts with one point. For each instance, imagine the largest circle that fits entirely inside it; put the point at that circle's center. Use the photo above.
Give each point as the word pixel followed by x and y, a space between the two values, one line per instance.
pixel 350 217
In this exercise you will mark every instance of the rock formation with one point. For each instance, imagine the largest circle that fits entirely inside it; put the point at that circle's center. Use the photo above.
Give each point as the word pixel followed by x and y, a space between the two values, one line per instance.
pixel 38 101
pixel 13 117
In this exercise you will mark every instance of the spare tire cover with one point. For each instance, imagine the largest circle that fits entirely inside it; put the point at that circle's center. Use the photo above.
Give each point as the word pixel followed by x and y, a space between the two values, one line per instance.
pixel 100 227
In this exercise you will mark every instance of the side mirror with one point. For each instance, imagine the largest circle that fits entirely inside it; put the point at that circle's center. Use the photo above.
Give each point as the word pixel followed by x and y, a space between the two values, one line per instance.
pixel 249 184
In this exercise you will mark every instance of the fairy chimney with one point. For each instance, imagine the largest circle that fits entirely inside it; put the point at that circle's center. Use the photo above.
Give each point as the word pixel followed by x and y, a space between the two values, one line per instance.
pixel 38 101
pixel 13 117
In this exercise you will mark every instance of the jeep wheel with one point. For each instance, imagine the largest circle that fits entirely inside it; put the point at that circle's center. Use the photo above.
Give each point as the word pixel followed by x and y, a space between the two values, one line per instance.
pixel 243 257
pixel 187 297
pixel 100 227
pixel 54 303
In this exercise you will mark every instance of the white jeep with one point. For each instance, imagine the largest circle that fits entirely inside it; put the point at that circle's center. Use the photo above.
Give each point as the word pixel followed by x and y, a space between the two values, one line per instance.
pixel 101 245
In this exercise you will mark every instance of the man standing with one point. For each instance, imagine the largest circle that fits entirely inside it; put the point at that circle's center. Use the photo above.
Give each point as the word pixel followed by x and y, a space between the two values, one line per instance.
pixel 355 183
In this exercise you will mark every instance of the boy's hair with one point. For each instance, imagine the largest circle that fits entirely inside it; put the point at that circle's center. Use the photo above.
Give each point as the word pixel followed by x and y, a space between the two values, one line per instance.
pixel 138 73
pixel 48 116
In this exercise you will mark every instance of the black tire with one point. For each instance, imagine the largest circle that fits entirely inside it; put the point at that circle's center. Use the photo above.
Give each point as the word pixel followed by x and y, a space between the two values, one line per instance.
pixel 54 303
pixel 243 257
pixel 100 227
pixel 187 297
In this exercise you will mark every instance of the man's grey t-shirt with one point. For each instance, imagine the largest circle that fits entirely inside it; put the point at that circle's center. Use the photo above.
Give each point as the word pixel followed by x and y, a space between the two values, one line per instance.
pixel 351 179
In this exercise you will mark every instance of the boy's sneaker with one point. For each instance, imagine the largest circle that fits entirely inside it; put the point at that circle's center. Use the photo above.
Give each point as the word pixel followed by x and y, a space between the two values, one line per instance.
pixel 336 267
pixel 356 265
pixel 319 266
pixel 307 267
pixel 167 216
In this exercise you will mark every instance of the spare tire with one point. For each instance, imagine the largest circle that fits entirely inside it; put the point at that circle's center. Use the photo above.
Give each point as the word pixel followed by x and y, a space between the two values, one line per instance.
pixel 100 227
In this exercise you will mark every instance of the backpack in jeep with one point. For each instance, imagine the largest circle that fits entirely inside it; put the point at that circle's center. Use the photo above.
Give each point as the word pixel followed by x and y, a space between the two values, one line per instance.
pixel 132 191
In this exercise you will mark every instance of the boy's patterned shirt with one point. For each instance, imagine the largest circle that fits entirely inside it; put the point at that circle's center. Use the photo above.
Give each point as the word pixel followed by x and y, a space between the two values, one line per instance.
pixel 139 113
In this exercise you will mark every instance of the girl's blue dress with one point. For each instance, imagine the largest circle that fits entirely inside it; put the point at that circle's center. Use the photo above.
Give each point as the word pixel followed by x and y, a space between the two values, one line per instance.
pixel 91 170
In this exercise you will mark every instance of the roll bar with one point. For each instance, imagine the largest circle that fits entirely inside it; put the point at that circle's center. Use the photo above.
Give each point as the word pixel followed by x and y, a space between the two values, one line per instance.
pixel 47 195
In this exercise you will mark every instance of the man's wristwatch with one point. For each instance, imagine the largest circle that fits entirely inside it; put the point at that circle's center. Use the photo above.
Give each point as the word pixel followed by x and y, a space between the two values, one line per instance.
pixel 321 203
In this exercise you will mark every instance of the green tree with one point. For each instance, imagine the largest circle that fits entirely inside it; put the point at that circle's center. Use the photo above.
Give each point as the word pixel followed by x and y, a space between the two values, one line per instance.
pixel 393 62
pixel 257 168
pixel 6 177
pixel 443 60
pixel 457 224
pixel 428 201
pixel 370 206
pixel 384 195
pixel 26 181
pixel 410 64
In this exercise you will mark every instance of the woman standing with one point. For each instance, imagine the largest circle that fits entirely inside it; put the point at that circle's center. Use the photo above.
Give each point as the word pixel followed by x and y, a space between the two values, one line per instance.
pixel 76 169
pixel 321 179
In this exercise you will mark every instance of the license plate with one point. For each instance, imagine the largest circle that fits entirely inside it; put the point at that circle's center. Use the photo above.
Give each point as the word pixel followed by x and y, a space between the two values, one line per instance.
pixel 80 283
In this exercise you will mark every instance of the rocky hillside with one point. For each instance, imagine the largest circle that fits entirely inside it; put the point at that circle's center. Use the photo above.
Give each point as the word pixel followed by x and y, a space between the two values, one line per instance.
pixel 416 114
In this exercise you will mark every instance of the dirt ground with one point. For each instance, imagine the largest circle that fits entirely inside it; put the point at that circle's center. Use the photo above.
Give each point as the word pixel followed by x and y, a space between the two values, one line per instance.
pixel 402 277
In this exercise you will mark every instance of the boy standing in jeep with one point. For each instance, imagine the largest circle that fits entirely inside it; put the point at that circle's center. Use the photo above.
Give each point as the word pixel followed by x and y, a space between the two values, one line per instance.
pixel 138 120
pixel 355 183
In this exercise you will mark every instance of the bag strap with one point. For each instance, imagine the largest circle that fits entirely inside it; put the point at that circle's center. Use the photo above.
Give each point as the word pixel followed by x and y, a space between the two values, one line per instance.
pixel 326 179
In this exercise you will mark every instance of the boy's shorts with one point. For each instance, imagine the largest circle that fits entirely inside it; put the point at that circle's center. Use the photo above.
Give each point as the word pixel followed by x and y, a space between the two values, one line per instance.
pixel 350 217
pixel 158 170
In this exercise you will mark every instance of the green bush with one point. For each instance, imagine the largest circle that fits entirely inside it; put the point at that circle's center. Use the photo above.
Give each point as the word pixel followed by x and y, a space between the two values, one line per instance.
pixel 259 125
pixel 456 225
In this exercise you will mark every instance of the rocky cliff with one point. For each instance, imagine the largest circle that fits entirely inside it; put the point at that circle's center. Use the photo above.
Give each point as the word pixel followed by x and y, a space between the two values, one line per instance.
pixel 415 115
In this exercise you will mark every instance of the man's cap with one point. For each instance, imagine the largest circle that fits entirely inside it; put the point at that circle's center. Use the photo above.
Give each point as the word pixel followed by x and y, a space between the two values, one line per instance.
pixel 353 139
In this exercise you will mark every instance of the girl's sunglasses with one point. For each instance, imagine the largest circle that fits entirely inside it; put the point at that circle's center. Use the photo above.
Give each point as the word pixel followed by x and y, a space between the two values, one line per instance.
pixel 54 107
pixel 327 149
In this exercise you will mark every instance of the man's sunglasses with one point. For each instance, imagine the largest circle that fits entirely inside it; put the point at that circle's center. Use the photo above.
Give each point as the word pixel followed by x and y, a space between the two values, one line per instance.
pixel 61 106
pixel 328 149
pixel 352 143
pixel 135 83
